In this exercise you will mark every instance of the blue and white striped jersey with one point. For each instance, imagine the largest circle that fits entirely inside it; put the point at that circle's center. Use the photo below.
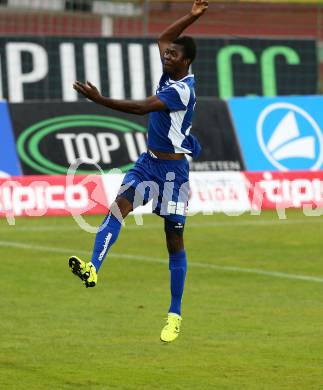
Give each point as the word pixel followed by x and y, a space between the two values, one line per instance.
pixel 169 130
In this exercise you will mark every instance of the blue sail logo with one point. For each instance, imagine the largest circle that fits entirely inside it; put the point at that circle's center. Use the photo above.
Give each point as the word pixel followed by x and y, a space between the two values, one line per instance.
pixel 289 137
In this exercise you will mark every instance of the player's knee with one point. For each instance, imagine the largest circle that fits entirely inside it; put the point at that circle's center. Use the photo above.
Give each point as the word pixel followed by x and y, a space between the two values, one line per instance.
pixel 174 242
pixel 174 246
pixel 174 236
pixel 120 208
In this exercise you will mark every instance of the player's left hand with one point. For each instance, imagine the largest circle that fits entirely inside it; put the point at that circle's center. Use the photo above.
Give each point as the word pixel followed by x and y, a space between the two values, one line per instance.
pixel 88 90
pixel 199 7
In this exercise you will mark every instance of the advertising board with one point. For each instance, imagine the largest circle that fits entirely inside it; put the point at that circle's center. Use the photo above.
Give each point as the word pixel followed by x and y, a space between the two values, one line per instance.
pixel 9 162
pixel 52 136
pixel 38 68
pixel 280 134
pixel 52 195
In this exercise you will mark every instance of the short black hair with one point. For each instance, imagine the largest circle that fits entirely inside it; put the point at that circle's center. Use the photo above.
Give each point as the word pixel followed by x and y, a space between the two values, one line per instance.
pixel 189 46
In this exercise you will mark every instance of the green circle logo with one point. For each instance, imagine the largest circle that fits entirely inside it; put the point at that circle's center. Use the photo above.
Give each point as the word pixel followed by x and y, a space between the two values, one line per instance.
pixel 29 140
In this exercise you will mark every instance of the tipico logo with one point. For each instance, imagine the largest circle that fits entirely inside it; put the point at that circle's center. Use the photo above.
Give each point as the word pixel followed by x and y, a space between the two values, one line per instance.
pixel 290 138
pixel 52 145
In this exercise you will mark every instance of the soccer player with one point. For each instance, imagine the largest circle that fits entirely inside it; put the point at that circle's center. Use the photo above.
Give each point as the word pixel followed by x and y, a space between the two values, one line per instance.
pixel 162 173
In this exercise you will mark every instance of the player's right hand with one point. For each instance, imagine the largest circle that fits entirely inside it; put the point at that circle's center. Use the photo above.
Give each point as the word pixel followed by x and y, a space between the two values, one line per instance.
pixel 88 90
pixel 199 7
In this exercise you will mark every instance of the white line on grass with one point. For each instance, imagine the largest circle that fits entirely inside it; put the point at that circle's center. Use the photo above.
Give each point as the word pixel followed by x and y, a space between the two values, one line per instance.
pixel 41 248
pixel 232 222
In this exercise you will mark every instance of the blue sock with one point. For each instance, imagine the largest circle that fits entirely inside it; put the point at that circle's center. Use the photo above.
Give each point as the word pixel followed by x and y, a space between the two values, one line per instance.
pixel 177 267
pixel 105 237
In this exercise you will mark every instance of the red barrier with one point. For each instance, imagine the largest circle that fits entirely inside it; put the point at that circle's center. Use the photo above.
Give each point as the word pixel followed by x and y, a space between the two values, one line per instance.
pixel 52 195
pixel 232 192
pixel 269 190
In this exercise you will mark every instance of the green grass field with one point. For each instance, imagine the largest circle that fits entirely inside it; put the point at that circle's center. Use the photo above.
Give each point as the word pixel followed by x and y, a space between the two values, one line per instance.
pixel 252 307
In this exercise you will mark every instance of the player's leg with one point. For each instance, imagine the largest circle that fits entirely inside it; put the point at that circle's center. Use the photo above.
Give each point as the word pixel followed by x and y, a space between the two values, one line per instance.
pixel 109 230
pixel 105 238
pixel 177 267
pixel 172 206
pixel 177 263
pixel 129 197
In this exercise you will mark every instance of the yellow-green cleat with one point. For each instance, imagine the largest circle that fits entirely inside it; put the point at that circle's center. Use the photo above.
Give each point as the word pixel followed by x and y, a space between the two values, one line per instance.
pixel 172 328
pixel 85 271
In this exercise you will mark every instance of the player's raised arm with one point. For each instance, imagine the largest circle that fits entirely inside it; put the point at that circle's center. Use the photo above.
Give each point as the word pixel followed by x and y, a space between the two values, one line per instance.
pixel 138 107
pixel 176 29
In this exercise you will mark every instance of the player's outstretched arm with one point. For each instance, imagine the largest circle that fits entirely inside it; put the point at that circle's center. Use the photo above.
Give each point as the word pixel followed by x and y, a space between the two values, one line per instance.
pixel 138 107
pixel 176 29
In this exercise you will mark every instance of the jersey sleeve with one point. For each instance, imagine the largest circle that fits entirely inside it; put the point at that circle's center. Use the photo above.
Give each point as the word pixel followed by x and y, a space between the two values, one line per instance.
pixel 175 97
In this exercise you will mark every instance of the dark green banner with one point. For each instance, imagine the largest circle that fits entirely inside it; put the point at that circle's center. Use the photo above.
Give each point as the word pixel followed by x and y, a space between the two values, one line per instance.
pixel 52 136
pixel 45 68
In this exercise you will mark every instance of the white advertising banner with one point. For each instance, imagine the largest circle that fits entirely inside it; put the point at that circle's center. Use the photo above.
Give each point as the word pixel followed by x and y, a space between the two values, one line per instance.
pixel 209 192
pixel 218 192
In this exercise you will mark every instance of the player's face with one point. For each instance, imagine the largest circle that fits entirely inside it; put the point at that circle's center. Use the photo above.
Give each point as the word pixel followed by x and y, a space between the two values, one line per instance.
pixel 174 60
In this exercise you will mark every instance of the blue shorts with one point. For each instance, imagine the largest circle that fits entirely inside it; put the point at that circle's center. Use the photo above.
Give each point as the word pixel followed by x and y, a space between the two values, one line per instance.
pixel 163 181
